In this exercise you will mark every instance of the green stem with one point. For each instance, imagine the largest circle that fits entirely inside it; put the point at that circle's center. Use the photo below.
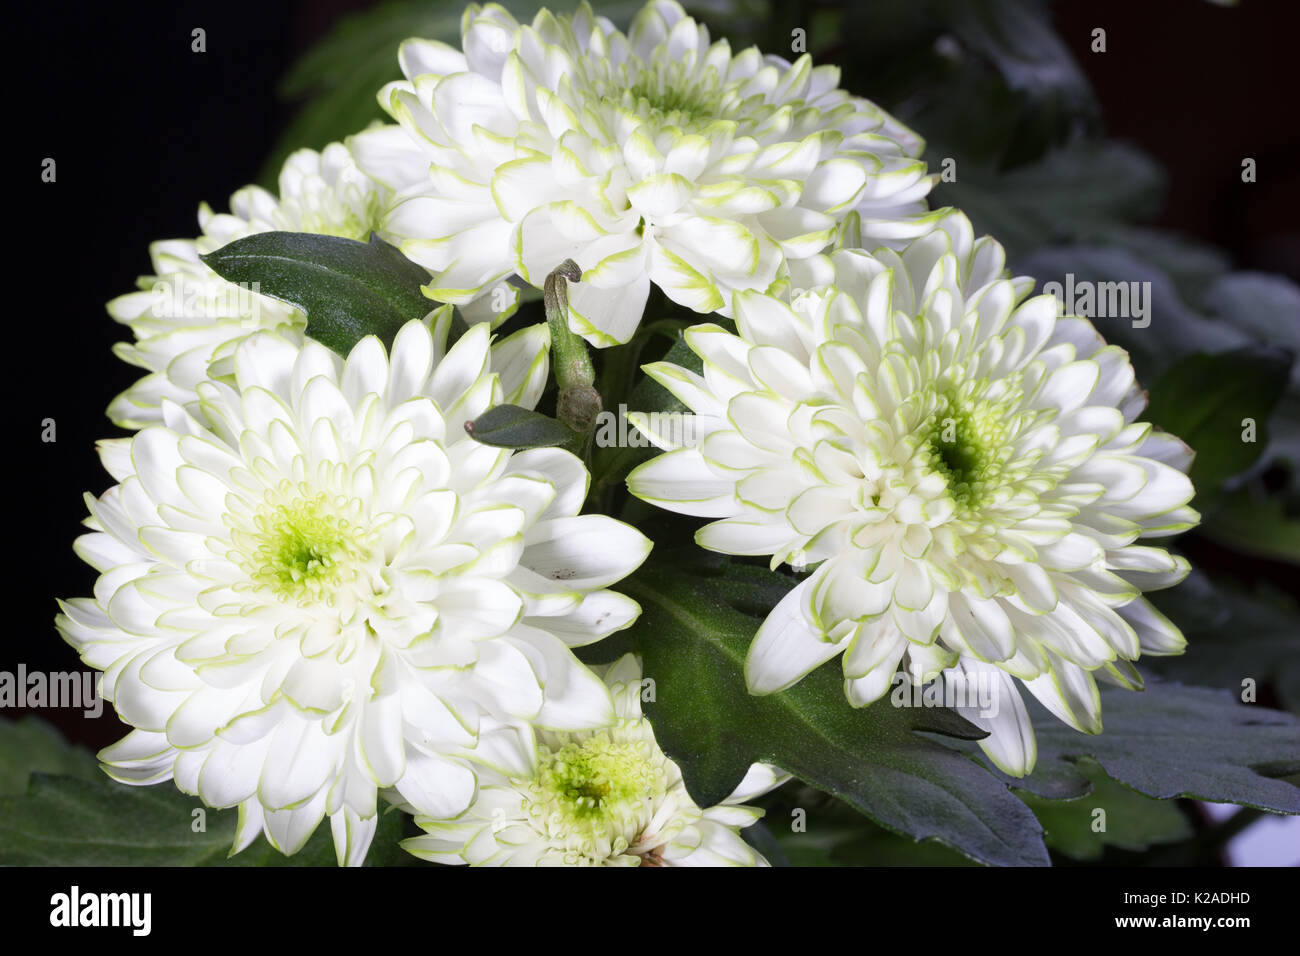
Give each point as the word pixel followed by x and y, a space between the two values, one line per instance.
pixel 579 402
pixel 572 363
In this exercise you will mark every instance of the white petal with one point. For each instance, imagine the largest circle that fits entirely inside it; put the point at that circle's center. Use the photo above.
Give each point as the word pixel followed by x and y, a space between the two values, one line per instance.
pixel 785 649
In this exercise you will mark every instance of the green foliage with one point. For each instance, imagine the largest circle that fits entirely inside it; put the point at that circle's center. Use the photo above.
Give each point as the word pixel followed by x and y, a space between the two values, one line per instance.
pixel 348 289
pixel 1072 192
pixel 992 87
pixel 809 828
pixel 509 426
pixel 1255 524
pixel 30 746
pixel 1129 820
pixel 1207 401
pixel 1174 741
pixel 90 820
pixel 693 634
pixel 1234 636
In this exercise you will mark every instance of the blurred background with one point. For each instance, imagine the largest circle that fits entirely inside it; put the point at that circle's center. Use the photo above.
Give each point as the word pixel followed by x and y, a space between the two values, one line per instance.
pixel 1122 164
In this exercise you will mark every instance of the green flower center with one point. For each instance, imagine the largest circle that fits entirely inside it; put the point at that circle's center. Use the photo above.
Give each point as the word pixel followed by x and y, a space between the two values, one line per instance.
pixel 305 548
pixel 598 782
pixel 966 443
pixel 667 100
pixel 672 94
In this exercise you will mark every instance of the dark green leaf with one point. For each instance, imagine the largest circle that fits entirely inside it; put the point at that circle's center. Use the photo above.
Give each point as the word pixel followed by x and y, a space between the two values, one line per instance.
pixel 1206 400
pixel 650 396
pixel 1074 193
pixel 348 289
pixel 1191 264
pixel 987 81
pixel 1016 37
pixel 1264 305
pixel 65 821
pixel 1264 308
pixel 31 745
pixel 1175 741
pixel 693 635
pixel 509 426
pixel 761 839
pixel 1256 525
pixel 1232 636
pixel 1132 821
pixel 814 829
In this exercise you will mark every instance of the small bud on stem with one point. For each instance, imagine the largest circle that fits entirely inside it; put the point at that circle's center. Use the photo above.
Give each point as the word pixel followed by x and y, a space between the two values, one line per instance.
pixel 579 402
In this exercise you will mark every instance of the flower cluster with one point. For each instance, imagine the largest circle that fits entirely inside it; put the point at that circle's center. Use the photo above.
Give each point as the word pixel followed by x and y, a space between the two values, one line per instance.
pixel 319 591
pixel 318 586
pixel 607 797
pixel 655 158
pixel 961 464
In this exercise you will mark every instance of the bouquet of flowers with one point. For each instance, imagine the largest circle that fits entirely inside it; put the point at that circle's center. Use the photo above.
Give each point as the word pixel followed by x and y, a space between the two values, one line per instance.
pixel 619 443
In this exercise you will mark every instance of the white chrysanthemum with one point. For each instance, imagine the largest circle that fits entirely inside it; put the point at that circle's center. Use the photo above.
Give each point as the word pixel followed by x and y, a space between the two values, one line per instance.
pixel 607 797
pixel 321 587
pixel 186 315
pixel 962 463
pixel 655 157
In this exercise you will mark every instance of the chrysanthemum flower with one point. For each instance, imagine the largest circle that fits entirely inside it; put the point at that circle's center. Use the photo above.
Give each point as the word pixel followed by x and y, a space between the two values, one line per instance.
pixel 319 586
pixel 961 464
pixel 185 315
pixel 655 157
pixel 606 797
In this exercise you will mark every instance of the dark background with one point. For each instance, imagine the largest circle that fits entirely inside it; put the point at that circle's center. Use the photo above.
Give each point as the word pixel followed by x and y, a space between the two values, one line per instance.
pixel 143 129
